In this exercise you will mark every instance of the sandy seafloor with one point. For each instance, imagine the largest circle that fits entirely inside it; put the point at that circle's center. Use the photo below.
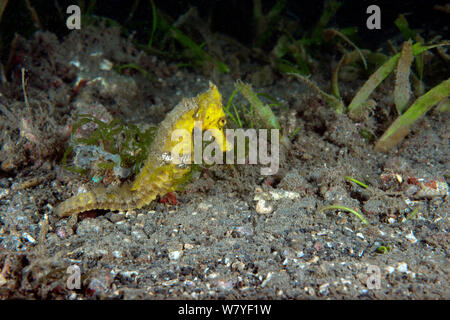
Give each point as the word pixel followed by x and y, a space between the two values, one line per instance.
pixel 214 243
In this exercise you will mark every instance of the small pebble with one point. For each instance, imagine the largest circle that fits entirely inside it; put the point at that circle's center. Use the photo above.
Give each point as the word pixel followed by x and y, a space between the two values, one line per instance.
pixel 106 65
pixel 323 289
pixel 264 283
pixel 309 290
pixel 314 259
pixel 262 207
pixel 174 255
pixel 117 254
pixel 28 237
pixel 411 238
pixel 402 267
pixel 204 206
pixel 4 192
pixel 390 269
pixel 3 281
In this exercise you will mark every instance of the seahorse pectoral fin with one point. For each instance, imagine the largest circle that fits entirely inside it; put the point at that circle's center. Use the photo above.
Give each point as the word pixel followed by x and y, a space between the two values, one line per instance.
pixel 143 174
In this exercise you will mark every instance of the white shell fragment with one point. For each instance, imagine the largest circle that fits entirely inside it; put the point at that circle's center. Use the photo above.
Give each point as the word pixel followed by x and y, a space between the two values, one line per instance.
pixel 411 238
pixel 106 65
pixel 174 255
pixel 402 267
pixel 263 208
pixel 275 195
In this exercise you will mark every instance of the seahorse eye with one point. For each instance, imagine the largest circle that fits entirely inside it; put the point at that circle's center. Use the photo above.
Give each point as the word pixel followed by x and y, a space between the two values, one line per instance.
pixel 222 122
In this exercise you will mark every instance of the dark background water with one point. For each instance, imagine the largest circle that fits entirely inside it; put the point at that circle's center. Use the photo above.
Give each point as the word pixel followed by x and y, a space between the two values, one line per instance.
pixel 232 17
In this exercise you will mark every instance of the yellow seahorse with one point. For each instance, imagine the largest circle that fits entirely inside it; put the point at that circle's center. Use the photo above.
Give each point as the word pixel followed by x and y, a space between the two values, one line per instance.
pixel 160 174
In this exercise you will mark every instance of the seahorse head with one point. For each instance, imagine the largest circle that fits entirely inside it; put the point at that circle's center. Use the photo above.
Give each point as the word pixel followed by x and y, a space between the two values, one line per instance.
pixel 211 114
